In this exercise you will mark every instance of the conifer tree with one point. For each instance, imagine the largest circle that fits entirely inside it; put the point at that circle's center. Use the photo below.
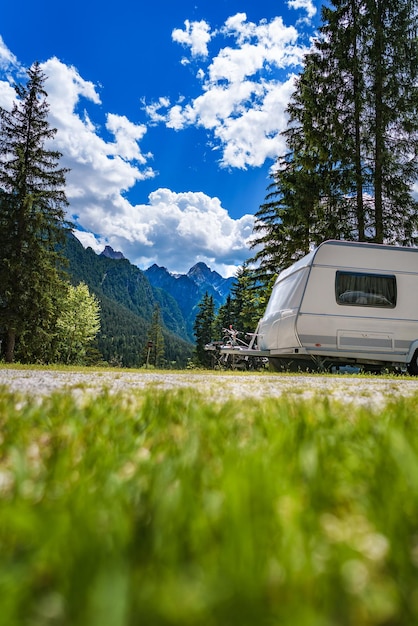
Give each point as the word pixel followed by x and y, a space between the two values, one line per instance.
pixel 32 217
pixel 352 137
pixel 224 318
pixel 248 300
pixel 155 345
pixel 204 329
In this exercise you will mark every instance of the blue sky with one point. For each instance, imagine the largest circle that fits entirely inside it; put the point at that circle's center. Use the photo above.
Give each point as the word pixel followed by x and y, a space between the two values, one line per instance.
pixel 168 113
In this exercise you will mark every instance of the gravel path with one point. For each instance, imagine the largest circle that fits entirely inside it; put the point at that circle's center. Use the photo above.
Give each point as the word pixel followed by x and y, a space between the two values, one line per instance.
pixel 217 386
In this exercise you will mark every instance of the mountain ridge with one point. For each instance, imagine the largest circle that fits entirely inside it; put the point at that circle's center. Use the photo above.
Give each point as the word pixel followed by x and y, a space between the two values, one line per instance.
pixel 127 301
pixel 189 289
pixel 128 296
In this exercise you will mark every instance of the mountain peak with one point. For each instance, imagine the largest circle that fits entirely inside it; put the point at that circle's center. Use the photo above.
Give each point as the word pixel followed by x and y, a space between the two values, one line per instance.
pixel 111 254
pixel 200 273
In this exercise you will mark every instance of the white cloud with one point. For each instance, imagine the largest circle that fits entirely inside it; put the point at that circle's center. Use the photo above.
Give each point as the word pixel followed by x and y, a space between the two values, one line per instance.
pixel 195 35
pixel 8 63
pixel 89 240
pixel 100 171
pixel 127 136
pixel 7 58
pixel 306 5
pixel 7 95
pixel 245 89
pixel 174 230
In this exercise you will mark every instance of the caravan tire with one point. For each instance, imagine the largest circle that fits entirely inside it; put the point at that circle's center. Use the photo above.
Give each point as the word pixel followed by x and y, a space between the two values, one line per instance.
pixel 413 365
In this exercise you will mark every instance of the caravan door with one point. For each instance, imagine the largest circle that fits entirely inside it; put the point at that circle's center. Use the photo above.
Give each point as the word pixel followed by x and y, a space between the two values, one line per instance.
pixel 365 294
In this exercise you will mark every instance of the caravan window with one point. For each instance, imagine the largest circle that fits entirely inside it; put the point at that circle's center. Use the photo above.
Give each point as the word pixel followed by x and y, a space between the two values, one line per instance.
pixel 358 289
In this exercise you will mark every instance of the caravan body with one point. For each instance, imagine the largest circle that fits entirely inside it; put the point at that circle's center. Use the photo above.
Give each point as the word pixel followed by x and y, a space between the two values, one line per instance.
pixel 345 302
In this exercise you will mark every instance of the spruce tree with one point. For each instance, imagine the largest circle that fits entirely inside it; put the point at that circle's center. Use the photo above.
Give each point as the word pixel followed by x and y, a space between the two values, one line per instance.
pixel 32 217
pixel 204 329
pixel 155 346
pixel 352 137
pixel 225 317
pixel 248 300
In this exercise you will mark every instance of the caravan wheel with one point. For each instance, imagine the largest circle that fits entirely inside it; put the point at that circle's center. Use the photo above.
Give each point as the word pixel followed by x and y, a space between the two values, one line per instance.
pixel 413 365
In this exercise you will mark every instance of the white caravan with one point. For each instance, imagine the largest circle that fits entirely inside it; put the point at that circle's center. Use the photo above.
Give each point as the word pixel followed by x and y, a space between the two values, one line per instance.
pixel 344 303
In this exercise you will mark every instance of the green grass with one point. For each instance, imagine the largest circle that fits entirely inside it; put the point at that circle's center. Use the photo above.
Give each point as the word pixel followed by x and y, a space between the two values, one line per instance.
pixel 165 509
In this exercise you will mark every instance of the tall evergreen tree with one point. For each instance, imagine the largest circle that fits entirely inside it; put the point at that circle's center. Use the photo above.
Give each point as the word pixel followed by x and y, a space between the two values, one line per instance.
pixel 224 318
pixel 248 299
pixel 352 136
pixel 32 216
pixel 204 329
pixel 155 345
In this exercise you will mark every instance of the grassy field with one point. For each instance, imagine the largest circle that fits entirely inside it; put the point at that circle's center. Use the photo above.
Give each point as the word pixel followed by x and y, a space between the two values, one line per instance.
pixel 165 509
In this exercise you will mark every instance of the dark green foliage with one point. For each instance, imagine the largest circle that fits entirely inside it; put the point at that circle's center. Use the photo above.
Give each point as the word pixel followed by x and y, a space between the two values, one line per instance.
pixel 32 217
pixel 155 348
pixel 171 313
pixel 189 289
pixel 204 329
pixel 352 137
pixel 248 299
pixel 225 318
pixel 127 303
pixel 245 305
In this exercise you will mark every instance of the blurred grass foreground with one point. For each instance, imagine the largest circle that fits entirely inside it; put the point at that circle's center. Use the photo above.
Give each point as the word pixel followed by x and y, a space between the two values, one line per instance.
pixel 165 508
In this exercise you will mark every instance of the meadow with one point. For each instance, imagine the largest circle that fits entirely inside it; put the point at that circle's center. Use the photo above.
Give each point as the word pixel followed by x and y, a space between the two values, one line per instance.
pixel 165 508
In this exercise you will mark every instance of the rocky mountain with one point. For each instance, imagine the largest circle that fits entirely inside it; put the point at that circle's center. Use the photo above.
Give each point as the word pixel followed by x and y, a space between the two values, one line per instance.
pixel 189 289
pixel 207 279
pixel 128 297
pixel 127 301
pixel 111 254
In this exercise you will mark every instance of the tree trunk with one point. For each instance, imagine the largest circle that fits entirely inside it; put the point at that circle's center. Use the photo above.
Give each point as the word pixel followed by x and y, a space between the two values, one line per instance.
pixel 10 345
pixel 379 129
pixel 357 127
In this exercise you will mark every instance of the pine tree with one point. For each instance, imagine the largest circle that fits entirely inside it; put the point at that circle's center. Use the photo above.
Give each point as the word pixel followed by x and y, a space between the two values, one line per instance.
pixel 352 137
pixel 224 318
pixel 32 217
pixel 391 145
pixel 245 305
pixel 204 329
pixel 155 346
pixel 248 301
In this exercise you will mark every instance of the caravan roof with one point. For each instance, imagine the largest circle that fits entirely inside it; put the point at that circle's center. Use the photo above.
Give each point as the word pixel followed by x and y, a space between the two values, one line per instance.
pixel 338 253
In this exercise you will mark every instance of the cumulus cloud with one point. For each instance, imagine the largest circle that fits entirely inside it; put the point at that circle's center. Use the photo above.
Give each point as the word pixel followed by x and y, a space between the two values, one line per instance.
pixel 8 64
pixel 175 230
pixel 99 169
pixel 245 88
pixel 7 58
pixel 172 229
pixel 306 5
pixel 196 36
pixel 7 95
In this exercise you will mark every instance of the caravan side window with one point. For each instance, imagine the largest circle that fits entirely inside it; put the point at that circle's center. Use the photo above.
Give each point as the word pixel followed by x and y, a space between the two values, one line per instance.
pixel 358 289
